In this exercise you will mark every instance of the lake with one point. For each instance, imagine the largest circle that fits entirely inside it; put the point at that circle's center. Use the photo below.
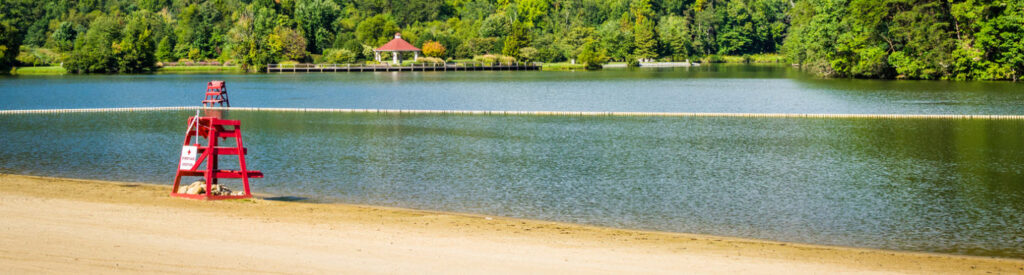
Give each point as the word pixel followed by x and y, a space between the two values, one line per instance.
pixel 936 185
pixel 723 88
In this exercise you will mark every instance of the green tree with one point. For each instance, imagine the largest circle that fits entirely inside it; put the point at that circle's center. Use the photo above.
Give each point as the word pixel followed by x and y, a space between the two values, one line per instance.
pixel 135 51
pixel 644 39
pixel 411 12
pixel 675 37
pixel 376 30
pixel 316 20
pixel 915 39
pixel 1000 31
pixel 15 17
pixel 200 30
pixel 591 57
pixel 496 25
pixel 94 52
pixel 249 41
pixel 164 50
pixel 516 40
pixel 63 38
pixel 926 41
pixel 618 43
pixel 9 46
pixel 289 43
pixel 737 32
pixel 815 29
pixel 531 12
pixel 571 43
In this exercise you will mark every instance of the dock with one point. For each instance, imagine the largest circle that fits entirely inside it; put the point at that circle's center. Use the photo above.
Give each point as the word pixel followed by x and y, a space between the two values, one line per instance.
pixel 433 67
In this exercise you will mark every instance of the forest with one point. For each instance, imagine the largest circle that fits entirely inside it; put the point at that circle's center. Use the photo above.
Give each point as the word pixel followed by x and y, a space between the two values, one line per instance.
pixel 907 39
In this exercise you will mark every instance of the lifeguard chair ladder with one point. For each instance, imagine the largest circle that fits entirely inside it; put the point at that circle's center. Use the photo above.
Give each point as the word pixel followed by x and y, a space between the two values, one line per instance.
pixel 216 93
pixel 211 129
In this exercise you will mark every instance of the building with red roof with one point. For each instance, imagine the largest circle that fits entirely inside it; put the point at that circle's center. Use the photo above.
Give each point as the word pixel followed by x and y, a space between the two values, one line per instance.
pixel 395 47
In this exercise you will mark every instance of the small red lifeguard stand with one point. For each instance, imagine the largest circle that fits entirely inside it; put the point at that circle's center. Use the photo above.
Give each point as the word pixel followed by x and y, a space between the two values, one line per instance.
pixel 216 93
pixel 211 129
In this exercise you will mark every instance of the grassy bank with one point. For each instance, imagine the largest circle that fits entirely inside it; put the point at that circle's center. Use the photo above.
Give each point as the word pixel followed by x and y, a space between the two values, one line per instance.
pixel 200 69
pixel 48 70
pixel 750 58
pixel 561 66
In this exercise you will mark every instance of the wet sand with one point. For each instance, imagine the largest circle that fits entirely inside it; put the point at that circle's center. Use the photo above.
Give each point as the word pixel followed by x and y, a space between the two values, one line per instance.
pixel 53 225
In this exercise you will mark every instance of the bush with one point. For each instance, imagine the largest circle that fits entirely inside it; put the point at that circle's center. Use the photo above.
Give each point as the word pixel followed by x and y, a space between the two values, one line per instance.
pixel 31 56
pixel 633 62
pixel 528 54
pixel 429 60
pixel 492 58
pixel 591 57
pixel 504 59
pixel 487 58
pixel 433 49
pixel 714 58
pixel 338 56
pixel 731 59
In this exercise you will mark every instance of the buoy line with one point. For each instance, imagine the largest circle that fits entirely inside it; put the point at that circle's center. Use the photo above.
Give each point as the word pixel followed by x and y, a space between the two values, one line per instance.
pixel 521 113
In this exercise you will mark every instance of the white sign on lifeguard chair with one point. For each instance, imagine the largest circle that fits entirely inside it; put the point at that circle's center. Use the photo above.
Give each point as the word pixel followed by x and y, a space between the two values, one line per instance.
pixel 188 157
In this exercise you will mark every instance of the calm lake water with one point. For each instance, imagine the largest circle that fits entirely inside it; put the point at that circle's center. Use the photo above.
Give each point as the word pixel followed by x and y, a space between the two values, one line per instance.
pixel 951 186
pixel 728 88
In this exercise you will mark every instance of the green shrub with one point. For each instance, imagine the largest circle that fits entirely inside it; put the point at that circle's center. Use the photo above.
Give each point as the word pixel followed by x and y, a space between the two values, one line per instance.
pixel 714 58
pixel 494 58
pixel 632 62
pixel 429 60
pixel 487 58
pixel 338 56
pixel 591 57
pixel 31 56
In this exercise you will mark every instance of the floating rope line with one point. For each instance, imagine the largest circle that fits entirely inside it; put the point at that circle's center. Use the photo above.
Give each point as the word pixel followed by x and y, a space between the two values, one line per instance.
pixel 521 113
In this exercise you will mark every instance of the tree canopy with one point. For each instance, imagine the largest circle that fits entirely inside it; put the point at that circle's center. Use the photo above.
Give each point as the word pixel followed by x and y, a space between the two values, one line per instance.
pixel 915 39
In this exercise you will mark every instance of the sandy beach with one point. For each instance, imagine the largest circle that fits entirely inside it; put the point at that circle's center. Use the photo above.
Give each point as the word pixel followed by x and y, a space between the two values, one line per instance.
pixel 53 225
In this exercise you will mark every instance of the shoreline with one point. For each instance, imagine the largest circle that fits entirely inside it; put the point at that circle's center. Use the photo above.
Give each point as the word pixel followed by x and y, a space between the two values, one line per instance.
pixel 468 242
pixel 525 113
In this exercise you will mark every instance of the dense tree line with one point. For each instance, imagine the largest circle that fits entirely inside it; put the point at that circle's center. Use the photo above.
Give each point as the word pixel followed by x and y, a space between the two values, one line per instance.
pixel 918 39
pixel 130 36
pixel 914 39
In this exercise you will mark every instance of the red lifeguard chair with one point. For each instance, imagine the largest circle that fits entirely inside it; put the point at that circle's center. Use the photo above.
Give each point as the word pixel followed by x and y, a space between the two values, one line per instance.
pixel 216 93
pixel 194 153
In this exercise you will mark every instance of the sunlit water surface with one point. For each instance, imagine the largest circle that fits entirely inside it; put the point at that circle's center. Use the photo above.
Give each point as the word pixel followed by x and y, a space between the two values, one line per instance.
pixel 953 186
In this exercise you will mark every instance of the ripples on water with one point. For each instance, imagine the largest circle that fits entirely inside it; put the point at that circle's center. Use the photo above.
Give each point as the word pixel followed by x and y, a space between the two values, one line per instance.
pixel 954 186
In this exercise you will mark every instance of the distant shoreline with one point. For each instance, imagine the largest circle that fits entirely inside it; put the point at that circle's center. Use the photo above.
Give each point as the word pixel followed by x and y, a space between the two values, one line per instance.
pixel 59 224
pixel 58 70
pixel 547 66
